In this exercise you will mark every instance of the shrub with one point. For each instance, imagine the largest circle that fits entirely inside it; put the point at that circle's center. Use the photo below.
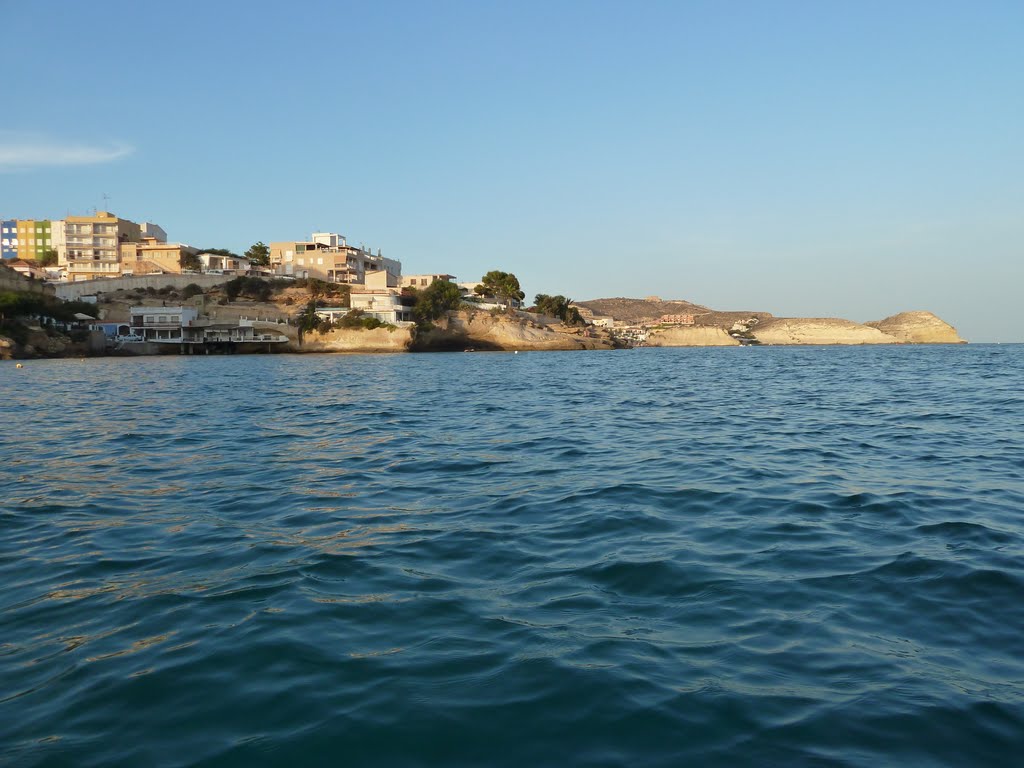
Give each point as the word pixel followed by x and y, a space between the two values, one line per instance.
pixel 191 290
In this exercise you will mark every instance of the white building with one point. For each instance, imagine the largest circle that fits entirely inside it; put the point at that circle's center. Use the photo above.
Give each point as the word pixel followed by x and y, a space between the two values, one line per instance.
pixel 216 264
pixel 380 297
pixel 161 323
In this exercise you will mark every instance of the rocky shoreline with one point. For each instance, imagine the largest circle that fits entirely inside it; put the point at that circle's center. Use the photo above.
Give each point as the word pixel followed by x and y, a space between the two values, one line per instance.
pixel 903 328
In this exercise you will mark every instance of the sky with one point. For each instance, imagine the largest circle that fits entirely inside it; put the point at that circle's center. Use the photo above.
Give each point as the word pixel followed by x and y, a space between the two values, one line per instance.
pixel 851 158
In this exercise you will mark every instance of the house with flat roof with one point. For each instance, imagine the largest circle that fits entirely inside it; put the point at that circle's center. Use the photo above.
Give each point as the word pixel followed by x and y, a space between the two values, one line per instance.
pixel 327 256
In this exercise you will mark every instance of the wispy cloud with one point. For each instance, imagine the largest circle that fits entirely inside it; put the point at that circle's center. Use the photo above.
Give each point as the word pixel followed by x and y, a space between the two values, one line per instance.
pixel 20 152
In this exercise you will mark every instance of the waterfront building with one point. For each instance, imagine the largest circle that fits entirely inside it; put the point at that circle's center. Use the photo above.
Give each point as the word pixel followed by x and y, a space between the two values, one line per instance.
pixel 327 256
pixel 161 323
pixel 183 326
pixel 380 297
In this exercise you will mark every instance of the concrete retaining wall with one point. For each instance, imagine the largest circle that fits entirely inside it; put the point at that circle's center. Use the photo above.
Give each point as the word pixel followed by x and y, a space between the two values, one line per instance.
pixel 12 281
pixel 68 291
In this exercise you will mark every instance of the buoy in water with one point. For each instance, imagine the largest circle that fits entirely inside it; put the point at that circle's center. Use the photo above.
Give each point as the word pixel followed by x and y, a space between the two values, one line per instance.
pixel 19 365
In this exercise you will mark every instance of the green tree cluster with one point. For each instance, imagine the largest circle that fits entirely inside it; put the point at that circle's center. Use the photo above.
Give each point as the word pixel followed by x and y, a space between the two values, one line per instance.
pixel 190 261
pixel 251 287
pixel 434 300
pixel 18 304
pixel 502 285
pixel 558 306
pixel 259 253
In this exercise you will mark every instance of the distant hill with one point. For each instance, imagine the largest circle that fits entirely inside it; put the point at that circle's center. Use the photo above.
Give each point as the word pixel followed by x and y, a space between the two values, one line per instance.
pixel 652 308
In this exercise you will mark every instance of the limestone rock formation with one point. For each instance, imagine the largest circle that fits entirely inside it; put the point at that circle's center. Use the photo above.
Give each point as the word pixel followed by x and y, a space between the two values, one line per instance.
pixel 818 330
pixel 918 328
pixel 356 340
pixel 515 332
pixel 691 336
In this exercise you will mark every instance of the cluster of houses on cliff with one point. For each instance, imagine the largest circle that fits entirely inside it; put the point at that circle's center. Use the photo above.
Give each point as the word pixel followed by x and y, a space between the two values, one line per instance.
pixel 103 245
pixel 100 246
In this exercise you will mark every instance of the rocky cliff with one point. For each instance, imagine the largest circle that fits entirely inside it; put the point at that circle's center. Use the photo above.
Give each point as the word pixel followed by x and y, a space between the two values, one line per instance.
pixel 516 332
pixel 355 340
pixel 918 328
pixel 817 330
pixel 690 336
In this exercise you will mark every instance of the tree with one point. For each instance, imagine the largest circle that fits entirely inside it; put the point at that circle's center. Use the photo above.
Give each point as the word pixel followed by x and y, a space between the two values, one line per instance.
pixel 190 261
pixel 434 300
pixel 219 252
pixel 503 285
pixel 259 254
pixel 558 306
pixel 308 320
pixel 49 258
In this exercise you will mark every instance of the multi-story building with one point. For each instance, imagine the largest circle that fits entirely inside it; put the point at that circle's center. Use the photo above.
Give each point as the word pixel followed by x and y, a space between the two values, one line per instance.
pixel 91 246
pixel 27 239
pixel 9 238
pixel 327 256
pixel 33 238
pixel 381 298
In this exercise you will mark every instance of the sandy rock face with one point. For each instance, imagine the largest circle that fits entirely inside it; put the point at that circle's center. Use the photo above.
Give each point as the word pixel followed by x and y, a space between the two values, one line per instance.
pixel 356 340
pixel 483 331
pixel 918 328
pixel 692 336
pixel 818 330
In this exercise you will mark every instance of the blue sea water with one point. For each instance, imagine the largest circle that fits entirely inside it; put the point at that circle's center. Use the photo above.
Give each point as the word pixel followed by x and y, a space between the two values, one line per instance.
pixel 657 557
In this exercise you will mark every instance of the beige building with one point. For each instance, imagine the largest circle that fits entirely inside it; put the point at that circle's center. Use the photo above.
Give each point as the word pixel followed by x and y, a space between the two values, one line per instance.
pixel 380 297
pixel 327 256
pixel 149 256
pixel 422 281
pixel 90 246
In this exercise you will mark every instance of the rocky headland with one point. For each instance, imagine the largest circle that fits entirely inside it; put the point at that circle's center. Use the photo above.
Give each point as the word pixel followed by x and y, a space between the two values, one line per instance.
pixel 691 336
pixel 717 328
pixel 918 328
pixel 512 332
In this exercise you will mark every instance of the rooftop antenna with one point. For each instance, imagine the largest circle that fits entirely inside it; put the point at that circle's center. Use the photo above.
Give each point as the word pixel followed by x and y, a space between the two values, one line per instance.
pixel 106 199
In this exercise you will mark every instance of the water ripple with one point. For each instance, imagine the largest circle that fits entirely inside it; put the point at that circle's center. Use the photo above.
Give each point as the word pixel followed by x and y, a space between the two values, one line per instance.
pixel 737 557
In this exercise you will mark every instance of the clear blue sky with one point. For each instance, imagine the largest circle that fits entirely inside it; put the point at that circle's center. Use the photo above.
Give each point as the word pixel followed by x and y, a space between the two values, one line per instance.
pixel 849 159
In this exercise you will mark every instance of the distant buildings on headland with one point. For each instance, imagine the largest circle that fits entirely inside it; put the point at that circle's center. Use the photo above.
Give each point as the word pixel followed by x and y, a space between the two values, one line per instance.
pixel 103 245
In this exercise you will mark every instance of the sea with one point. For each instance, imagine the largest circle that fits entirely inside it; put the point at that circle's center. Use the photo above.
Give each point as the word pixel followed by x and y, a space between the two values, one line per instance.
pixel 775 556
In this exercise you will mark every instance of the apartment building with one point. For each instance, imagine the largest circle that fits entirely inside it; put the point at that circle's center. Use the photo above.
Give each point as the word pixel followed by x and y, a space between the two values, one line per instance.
pixel 27 239
pixel 9 238
pixel 91 245
pixel 327 256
